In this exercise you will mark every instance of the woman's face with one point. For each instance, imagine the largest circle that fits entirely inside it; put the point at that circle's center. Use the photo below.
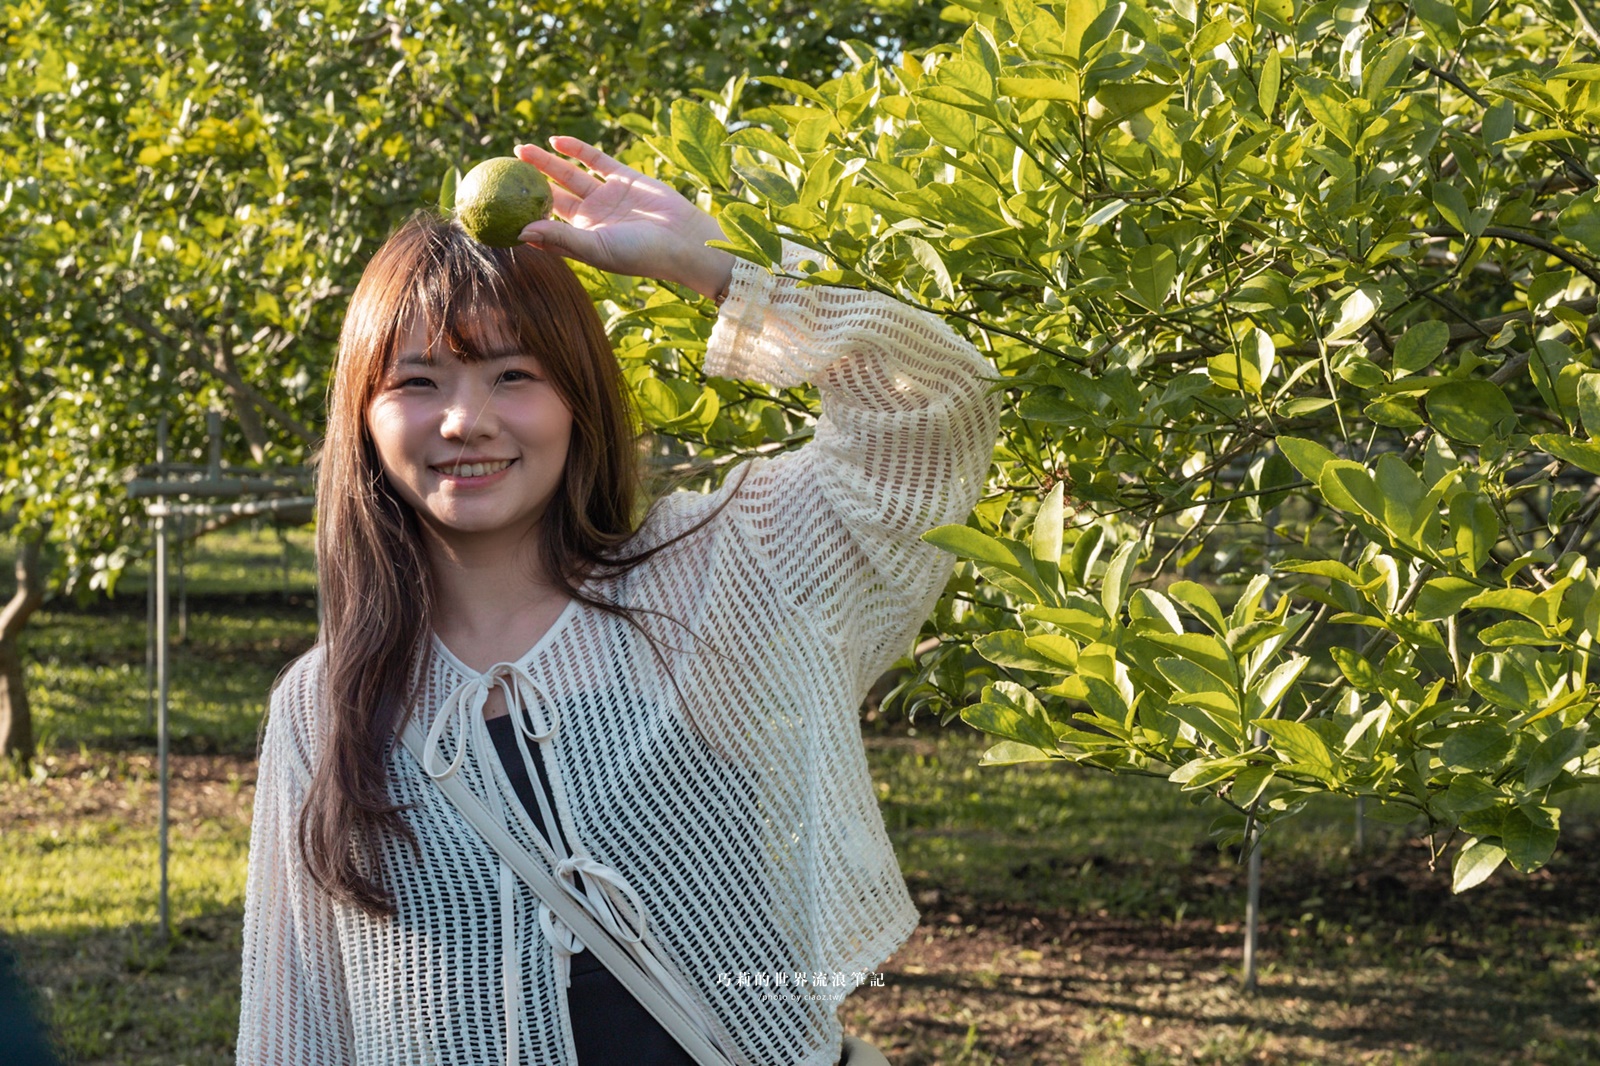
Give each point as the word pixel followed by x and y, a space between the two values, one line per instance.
pixel 477 449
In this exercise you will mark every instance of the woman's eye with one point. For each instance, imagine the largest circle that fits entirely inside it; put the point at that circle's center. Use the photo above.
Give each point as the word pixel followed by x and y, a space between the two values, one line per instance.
pixel 517 375
pixel 415 383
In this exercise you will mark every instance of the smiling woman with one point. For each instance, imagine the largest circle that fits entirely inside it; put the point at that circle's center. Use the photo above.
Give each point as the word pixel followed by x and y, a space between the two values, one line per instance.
pixel 477 448
pixel 658 718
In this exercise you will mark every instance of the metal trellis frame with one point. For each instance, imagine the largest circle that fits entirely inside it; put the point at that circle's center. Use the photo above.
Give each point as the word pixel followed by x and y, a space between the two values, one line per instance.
pixel 181 491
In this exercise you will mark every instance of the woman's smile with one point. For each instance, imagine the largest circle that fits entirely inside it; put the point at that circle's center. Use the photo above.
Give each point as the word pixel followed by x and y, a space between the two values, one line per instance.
pixel 468 473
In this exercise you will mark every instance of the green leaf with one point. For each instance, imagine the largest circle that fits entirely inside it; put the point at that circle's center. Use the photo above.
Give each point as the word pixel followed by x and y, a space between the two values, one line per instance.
pixel 1499 680
pixel 1442 597
pixel 1356 670
pixel 1420 345
pixel 1114 590
pixel 1474 411
pixel 1353 312
pixel 1523 601
pixel 1348 486
pixel 1468 793
pixel 447 191
pixel 1270 690
pixel 1300 745
pixel 1325 104
pixel 1402 492
pixel 1580 222
pixel 1121 99
pixel 1583 454
pixel 947 124
pixel 698 135
pixel 764 140
pixel 750 233
pixel 1529 835
pixel 1249 784
pixel 1271 78
pixel 1012 712
pixel 931 261
pixel 1048 526
pixel 1148 604
pixel 1084 552
pixel 1474 863
pixel 1553 753
pixel 1201 603
pixel 1589 404
pixel 1329 568
pixel 1009 648
pixel 1194 684
pixel 1453 207
pixel 1474 528
pixel 1039 89
pixel 1010 753
pixel 969 543
pixel 1479 746
pixel 1246 370
pixel 1151 272
pixel 1308 457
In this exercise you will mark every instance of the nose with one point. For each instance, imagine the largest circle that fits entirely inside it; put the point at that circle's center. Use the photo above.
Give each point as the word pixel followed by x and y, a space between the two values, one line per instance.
pixel 469 413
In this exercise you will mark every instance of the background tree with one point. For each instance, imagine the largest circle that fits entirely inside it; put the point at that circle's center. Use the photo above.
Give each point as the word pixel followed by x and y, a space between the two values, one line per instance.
pixel 188 191
pixel 1293 306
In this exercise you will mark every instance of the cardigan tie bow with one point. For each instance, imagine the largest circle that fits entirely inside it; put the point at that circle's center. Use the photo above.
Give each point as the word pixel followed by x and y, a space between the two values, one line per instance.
pixel 531 713
pixel 618 908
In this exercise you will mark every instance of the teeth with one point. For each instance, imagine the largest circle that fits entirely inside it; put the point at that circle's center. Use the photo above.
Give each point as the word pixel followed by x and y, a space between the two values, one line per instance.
pixel 476 469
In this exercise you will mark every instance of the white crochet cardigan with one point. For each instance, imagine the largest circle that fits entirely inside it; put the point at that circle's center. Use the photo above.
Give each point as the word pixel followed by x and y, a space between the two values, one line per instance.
pixel 722 814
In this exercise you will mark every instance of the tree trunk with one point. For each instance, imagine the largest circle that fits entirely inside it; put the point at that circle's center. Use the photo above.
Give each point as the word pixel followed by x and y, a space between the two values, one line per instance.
pixel 16 721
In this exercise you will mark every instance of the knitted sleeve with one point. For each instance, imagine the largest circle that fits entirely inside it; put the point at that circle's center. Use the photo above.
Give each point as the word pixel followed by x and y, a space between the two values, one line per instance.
pixel 293 1009
pixel 903 444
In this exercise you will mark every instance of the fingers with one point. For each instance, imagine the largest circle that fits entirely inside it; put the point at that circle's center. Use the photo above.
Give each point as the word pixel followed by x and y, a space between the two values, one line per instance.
pixel 590 156
pixel 559 170
pixel 564 203
pixel 558 237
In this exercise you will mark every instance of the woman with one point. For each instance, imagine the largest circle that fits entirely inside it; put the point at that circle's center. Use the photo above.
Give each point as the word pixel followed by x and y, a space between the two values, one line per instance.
pixel 663 712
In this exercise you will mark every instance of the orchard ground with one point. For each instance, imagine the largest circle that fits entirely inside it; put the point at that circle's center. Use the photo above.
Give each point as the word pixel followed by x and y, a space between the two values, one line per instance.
pixel 1066 917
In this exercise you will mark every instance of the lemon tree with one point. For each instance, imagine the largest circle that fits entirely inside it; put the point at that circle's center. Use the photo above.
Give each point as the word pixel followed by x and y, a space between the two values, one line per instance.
pixel 188 193
pixel 1293 306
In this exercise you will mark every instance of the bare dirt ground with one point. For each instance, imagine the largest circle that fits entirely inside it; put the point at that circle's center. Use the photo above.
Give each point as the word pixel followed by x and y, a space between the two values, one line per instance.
pixel 1379 964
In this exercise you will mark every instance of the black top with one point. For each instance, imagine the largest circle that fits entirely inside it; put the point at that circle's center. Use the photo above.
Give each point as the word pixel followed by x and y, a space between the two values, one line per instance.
pixel 608 1024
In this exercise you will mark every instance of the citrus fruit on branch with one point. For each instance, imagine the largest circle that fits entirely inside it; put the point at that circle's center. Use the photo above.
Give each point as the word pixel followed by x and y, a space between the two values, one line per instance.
pixel 498 197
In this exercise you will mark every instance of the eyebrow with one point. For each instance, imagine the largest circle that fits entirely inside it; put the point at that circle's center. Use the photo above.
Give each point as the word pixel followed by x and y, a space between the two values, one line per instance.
pixel 500 355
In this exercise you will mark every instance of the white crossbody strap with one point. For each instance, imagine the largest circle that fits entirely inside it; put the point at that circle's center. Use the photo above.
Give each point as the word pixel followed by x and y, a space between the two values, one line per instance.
pixel 656 988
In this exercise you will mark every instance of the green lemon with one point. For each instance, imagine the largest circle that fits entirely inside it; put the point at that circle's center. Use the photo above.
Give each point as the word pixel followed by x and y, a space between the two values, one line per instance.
pixel 498 197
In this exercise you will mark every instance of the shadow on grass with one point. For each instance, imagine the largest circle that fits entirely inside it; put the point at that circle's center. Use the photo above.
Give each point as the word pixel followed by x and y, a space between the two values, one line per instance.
pixel 122 997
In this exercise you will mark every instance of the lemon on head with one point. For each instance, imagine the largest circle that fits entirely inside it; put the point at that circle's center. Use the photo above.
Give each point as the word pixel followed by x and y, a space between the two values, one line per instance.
pixel 498 197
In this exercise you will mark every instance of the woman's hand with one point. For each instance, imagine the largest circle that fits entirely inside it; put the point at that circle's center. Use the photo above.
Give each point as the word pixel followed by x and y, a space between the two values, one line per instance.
pixel 619 220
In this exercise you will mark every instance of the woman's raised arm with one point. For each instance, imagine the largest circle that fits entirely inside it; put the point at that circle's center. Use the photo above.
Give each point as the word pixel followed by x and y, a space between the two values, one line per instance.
pixel 908 424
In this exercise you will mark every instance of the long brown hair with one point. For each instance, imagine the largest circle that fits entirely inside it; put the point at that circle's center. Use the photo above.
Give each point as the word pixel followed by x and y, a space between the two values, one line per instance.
pixel 373 576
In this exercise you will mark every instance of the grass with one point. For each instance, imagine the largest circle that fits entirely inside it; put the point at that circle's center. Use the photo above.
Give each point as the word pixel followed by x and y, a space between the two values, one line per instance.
pixel 88 675
pixel 1068 917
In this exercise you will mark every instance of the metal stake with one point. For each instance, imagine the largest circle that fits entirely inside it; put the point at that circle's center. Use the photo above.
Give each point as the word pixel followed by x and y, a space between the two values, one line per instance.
pixel 1252 913
pixel 1252 905
pixel 161 677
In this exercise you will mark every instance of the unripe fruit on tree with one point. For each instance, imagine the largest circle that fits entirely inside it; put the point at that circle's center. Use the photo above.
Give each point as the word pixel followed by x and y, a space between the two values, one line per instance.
pixel 499 197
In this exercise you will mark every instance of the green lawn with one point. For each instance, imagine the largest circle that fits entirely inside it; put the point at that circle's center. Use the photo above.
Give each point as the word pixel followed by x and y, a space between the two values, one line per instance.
pixel 1067 916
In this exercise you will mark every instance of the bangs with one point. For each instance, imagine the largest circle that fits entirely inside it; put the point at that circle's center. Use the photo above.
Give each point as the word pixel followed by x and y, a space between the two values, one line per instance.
pixel 458 299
